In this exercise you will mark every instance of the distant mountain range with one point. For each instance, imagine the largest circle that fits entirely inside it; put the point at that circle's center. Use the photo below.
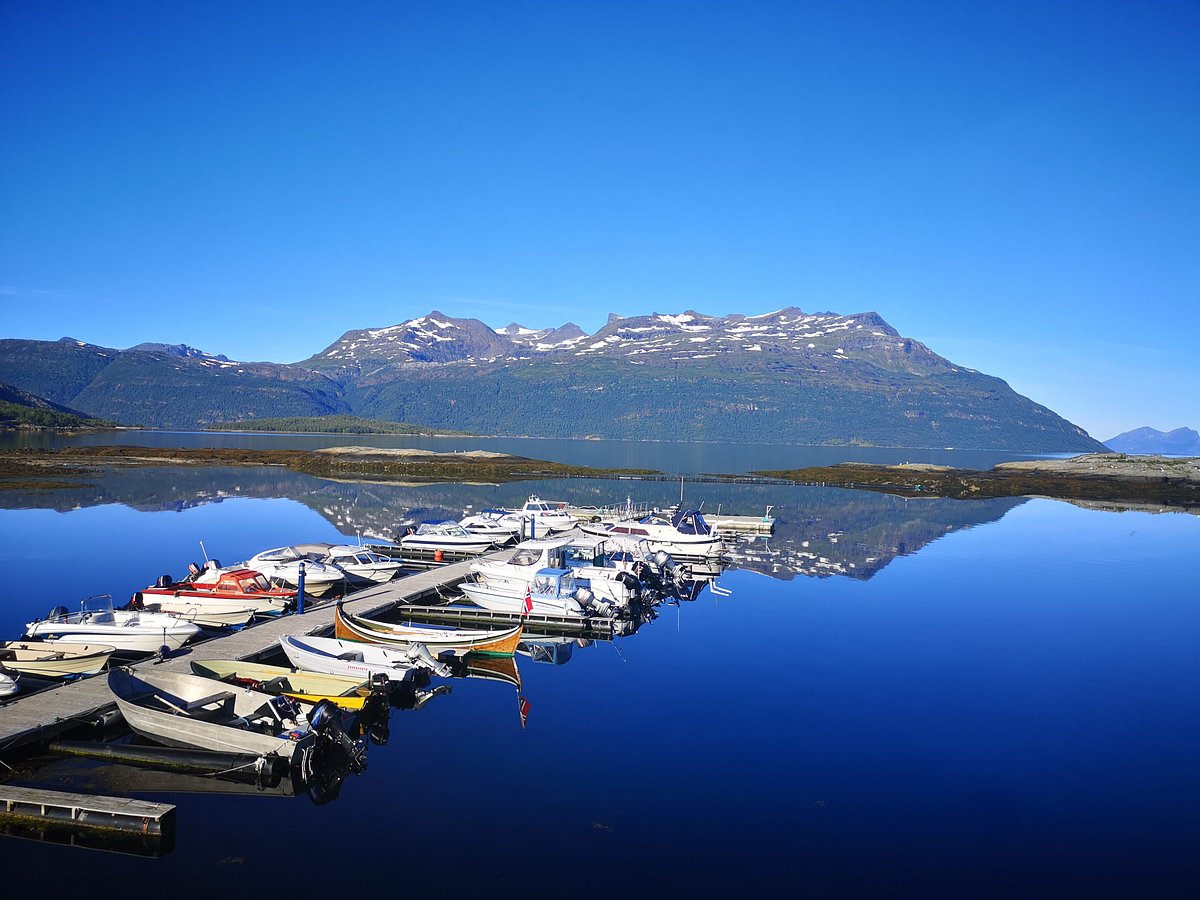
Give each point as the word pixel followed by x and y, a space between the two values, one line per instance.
pixel 781 377
pixel 1180 442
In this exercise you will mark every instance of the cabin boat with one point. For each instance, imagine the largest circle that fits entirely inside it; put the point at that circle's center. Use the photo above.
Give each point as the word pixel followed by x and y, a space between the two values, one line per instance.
pixel 434 536
pixel 128 630
pixel 360 563
pixel 237 588
pixel 54 659
pixel 680 533
pixel 585 559
pixel 498 524
pixel 548 591
pixel 282 565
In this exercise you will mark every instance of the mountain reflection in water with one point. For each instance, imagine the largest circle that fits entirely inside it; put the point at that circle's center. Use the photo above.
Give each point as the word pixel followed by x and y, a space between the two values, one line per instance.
pixel 818 531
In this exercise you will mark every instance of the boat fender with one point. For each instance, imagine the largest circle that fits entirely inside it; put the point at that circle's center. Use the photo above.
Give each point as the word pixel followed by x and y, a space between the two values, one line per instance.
pixel 437 555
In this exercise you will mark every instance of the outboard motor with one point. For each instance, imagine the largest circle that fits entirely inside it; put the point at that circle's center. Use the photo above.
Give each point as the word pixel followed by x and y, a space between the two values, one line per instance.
pixel 664 561
pixel 58 614
pixel 164 581
pixel 419 655
pixel 326 720
pixel 602 608
pixel 193 570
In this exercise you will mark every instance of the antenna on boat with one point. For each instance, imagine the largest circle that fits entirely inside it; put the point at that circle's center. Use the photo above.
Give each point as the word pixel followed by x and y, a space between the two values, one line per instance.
pixel 205 552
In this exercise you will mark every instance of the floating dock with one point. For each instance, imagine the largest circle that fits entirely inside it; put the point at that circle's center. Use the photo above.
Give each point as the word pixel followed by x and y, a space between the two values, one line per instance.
pixel 84 810
pixel 44 715
pixel 41 716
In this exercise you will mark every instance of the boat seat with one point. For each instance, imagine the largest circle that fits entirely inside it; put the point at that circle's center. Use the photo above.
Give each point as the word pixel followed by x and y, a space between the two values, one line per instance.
pixel 351 656
pixel 278 683
pixel 187 706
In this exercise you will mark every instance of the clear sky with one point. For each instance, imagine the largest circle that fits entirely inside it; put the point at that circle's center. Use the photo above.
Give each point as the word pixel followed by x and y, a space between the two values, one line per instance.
pixel 1015 184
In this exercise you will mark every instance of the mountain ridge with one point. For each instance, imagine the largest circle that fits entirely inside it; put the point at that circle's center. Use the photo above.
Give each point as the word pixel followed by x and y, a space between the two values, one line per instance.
pixel 785 376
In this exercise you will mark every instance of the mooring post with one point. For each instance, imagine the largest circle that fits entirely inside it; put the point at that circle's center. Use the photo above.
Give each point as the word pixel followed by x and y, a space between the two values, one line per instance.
pixel 300 589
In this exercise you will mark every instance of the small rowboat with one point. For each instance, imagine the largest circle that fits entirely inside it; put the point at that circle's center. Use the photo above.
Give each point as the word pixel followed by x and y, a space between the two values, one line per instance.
pixel 54 659
pixel 350 627
pixel 318 654
pixel 189 711
pixel 348 691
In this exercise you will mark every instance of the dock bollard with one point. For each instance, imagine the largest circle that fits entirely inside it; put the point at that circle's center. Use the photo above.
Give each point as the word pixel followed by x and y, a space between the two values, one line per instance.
pixel 300 589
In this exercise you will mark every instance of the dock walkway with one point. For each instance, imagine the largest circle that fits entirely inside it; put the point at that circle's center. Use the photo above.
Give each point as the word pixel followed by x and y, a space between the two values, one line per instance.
pixel 43 715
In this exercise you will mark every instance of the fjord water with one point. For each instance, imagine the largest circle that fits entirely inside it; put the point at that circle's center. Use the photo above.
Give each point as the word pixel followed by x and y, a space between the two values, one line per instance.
pixel 680 457
pixel 895 698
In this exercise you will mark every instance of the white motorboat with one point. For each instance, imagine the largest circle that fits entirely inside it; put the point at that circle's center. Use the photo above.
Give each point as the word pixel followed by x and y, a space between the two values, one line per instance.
pixel 444 536
pixel 539 517
pixel 129 630
pixel 359 562
pixel 282 566
pixel 683 533
pixel 547 592
pixel 338 657
pixel 190 711
pixel 585 559
pixel 207 611
pixel 498 524
pixel 54 659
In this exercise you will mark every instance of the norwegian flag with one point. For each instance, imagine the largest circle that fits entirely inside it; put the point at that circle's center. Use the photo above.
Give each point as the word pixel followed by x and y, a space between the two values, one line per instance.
pixel 528 600
pixel 523 709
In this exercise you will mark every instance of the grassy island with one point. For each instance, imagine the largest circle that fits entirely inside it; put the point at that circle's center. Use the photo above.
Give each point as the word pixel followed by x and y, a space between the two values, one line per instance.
pixel 1098 477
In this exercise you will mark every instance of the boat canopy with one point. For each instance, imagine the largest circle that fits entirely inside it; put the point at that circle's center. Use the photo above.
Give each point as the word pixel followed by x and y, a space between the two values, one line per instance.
pixel 690 521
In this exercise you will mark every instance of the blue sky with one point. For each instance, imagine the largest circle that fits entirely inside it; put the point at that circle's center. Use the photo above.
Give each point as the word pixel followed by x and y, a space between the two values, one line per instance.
pixel 1015 184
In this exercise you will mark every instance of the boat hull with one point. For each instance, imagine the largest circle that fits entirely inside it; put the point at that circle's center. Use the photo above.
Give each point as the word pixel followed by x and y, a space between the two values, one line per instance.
pixel 54 659
pixel 135 694
pixel 347 626
pixel 130 631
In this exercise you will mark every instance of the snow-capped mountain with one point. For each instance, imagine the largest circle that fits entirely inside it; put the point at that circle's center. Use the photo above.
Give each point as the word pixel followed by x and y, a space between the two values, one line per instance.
pixel 822 338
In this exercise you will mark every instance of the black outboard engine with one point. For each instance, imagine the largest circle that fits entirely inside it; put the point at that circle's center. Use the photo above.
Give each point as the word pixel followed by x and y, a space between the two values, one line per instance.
pixel 326 721
pixel 164 581
pixel 58 614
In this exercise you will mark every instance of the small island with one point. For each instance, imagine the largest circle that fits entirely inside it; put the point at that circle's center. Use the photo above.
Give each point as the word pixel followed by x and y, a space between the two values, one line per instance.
pixel 1096 477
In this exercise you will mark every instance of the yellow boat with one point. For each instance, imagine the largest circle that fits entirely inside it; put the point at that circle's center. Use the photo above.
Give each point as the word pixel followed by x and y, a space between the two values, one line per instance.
pixel 347 692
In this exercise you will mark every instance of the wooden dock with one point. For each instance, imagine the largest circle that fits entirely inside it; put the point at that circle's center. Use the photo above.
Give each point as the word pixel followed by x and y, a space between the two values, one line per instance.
pixel 41 716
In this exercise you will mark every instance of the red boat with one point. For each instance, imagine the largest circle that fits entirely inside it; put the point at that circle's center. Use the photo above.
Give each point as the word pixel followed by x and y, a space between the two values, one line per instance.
pixel 250 588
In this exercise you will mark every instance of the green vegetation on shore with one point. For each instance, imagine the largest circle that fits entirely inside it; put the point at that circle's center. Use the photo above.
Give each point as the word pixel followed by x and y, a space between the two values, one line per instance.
pixel 16 415
pixel 330 425
pixel 349 463
pixel 1090 477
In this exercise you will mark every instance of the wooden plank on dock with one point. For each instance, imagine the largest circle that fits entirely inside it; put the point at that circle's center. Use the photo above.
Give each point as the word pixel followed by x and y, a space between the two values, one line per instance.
pixel 86 810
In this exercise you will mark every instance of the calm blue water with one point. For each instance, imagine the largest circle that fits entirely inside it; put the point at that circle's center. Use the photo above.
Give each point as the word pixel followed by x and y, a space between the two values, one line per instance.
pixel 898 699
pixel 662 456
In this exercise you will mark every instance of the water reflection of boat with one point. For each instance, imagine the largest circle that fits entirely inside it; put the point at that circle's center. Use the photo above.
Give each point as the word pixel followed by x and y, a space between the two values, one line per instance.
pixel 487 668
pixel 555 651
